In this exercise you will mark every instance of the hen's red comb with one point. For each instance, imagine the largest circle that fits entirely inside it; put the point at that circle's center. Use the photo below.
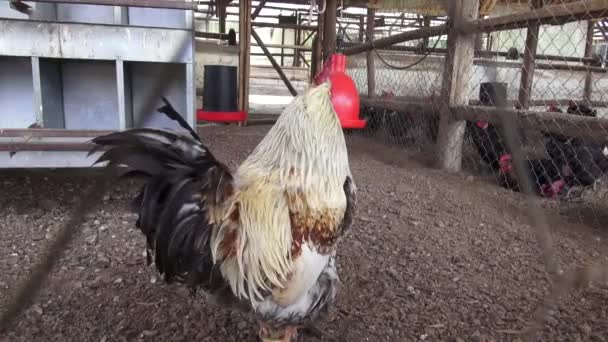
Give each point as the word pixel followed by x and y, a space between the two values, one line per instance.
pixel 482 124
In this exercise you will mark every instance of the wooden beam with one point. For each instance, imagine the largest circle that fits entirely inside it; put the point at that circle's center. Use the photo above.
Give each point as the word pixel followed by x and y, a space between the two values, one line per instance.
pixel 426 23
pixel 211 35
pixel 221 14
pixel 314 63
pixel 457 76
pixel 587 128
pixel 51 133
pixel 277 54
pixel 44 146
pixel 317 54
pixel 286 46
pixel 344 29
pixel 479 41
pixel 397 102
pixel 547 102
pixel 303 59
pixel 361 29
pixel 558 14
pixel 329 28
pixel 258 9
pixel 245 32
pixel 274 63
pixel 398 38
pixel 286 26
pixel 371 68
pixel 588 89
pixel 541 66
pixel 485 53
pixel 390 27
pixel 310 35
pixel 297 37
pixel 527 70
pixel 282 48
pixel 171 4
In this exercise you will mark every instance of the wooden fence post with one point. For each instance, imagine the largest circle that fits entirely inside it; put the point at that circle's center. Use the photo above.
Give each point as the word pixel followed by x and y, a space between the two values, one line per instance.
pixel 456 84
pixel 244 49
pixel 221 14
pixel 317 49
pixel 426 23
pixel 588 90
pixel 361 28
pixel 371 68
pixel 329 29
pixel 529 63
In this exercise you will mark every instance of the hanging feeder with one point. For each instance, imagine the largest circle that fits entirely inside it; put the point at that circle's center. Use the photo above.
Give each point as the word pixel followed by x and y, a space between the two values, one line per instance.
pixel 344 94
pixel 220 95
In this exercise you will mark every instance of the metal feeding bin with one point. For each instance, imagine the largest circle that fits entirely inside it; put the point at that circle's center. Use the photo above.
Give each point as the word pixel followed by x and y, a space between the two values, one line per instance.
pixel 220 95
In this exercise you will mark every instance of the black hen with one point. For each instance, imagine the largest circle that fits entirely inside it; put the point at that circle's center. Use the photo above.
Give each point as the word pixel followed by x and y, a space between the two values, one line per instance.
pixel 558 145
pixel 581 109
pixel 555 142
pixel 586 162
pixel 488 141
pixel 545 175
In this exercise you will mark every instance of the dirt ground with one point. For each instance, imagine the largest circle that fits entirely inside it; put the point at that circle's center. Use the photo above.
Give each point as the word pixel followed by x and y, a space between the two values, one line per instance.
pixel 432 257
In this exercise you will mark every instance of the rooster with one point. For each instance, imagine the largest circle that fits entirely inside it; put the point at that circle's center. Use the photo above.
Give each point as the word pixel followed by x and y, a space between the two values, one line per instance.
pixel 262 239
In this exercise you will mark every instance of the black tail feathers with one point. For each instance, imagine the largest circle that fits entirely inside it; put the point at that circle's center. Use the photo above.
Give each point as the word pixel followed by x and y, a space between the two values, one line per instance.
pixel 184 182
pixel 172 114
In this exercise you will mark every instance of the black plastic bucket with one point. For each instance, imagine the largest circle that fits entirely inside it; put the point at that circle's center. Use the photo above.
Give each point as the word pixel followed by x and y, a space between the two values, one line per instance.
pixel 220 92
pixel 493 94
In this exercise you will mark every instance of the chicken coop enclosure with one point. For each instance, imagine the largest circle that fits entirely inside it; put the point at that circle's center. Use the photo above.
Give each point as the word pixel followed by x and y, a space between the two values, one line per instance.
pixel 481 169
pixel 457 85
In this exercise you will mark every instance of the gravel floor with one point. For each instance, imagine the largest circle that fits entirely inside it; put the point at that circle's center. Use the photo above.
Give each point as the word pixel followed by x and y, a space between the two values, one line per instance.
pixel 432 257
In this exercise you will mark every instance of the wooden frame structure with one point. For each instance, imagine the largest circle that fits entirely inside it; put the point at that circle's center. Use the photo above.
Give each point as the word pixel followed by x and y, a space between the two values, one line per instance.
pixel 460 56
pixel 463 51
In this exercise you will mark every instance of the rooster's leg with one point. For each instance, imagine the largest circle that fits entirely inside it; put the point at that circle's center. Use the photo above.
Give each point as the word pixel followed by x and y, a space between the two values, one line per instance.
pixel 268 334
pixel 572 193
pixel 291 334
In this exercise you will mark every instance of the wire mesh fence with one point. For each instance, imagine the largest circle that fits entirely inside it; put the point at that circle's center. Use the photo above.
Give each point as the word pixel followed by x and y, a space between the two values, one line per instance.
pixel 566 76
pixel 395 80
pixel 530 111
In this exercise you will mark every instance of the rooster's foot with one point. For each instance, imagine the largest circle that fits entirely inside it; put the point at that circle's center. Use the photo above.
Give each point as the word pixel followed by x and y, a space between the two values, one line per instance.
pixel 287 334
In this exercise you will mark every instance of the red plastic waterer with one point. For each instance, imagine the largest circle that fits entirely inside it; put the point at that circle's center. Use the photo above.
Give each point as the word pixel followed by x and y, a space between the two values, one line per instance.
pixel 344 94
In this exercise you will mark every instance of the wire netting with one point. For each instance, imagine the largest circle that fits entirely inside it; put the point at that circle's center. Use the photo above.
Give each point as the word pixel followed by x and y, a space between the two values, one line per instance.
pixel 565 154
pixel 529 115
pixel 398 79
